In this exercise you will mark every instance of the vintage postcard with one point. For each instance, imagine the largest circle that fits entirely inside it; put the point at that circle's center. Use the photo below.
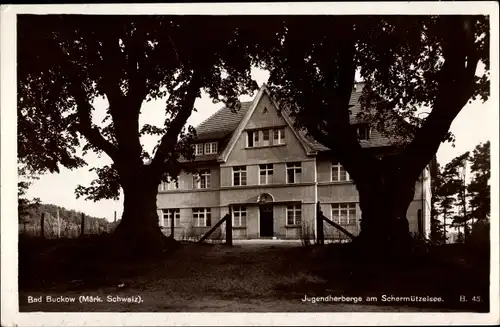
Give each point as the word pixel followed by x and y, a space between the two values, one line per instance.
pixel 250 164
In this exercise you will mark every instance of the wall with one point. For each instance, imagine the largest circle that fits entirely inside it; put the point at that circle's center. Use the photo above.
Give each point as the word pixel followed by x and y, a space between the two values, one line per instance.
pixel 186 229
pixel 187 197
pixel 335 192
pixel 279 174
pixel 291 151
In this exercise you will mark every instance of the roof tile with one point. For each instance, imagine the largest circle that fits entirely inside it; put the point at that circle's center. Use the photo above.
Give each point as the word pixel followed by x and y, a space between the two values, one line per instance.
pixel 222 123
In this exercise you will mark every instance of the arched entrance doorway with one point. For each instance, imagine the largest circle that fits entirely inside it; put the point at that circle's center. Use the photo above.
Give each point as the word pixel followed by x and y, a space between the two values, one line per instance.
pixel 266 218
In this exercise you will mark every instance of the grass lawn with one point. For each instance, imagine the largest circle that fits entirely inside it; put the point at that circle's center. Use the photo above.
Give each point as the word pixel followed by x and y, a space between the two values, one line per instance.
pixel 270 277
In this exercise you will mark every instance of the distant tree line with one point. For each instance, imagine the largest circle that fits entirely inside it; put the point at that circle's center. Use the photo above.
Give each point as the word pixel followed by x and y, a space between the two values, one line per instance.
pixel 461 194
pixel 70 221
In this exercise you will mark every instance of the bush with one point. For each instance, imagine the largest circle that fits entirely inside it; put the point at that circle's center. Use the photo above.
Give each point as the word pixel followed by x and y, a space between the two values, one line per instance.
pixel 306 233
pixel 479 238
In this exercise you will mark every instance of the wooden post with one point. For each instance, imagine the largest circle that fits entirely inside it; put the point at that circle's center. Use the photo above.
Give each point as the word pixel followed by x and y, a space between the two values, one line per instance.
pixel 319 222
pixel 207 234
pixel 42 225
pixel 58 224
pixel 82 228
pixel 115 216
pixel 340 228
pixel 172 224
pixel 229 228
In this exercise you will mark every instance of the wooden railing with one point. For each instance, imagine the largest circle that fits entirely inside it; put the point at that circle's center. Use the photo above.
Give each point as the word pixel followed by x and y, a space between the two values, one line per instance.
pixel 320 218
pixel 229 229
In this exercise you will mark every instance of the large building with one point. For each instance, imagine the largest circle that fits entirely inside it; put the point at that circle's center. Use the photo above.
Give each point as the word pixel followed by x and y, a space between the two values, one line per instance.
pixel 272 176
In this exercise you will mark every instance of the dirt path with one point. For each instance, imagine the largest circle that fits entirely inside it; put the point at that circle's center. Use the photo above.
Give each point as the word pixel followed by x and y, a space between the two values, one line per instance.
pixel 247 277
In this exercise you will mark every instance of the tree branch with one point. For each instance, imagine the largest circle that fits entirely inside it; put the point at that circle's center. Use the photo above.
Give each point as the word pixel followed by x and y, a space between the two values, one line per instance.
pixel 456 86
pixel 84 109
pixel 85 123
pixel 111 57
pixel 169 140
pixel 135 66
pixel 342 137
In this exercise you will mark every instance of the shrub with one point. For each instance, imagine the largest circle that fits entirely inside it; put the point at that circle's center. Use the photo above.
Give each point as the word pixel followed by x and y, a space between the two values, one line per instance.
pixel 306 232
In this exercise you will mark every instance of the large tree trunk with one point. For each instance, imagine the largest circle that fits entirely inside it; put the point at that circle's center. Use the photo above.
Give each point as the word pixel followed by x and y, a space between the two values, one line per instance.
pixel 384 226
pixel 138 232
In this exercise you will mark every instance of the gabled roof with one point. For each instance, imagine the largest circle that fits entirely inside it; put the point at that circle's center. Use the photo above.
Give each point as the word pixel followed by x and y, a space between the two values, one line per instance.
pixel 239 129
pixel 224 123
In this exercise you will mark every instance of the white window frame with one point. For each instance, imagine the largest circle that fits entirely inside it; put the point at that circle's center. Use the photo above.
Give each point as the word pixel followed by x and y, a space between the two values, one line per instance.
pixel 336 173
pixel 295 212
pixel 296 167
pixel 214 147
pixel 255 138
pixel 211 148
pixel 167 217
pixel 169 185
pixel 350 211
pixel 280 132
pixel 266 171
pixel 264 141
pixel 239 216
pixel 197 148
pixel 240 171
pixel 202 216
pixel 202 180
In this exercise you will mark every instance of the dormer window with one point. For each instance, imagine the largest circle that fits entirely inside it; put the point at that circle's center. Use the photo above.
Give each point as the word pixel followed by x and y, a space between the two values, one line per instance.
pixel 205 148
pixel 363 132
pixel 198 149
pixel 211 148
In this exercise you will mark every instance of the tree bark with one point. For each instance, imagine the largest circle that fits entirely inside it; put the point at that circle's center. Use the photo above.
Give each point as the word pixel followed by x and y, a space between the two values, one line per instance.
pixel 139 232
pixel 384 202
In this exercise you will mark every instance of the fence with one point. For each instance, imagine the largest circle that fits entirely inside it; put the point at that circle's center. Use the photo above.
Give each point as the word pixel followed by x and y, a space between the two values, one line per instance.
pixel 320 220
pixel 229 229
pixel 51 227
pixel 304 235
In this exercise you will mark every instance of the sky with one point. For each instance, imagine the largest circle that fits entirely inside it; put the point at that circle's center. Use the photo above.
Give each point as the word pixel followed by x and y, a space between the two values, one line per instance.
pixel 475 124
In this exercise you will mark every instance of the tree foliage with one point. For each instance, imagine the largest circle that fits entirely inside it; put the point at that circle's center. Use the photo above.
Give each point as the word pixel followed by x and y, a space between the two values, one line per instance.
pixel 461 199
pixel 437 227
pixel 24 205
pixel 478 188
pixel 68 61
pixel 69 217
pixel 456 186
pixel 407 62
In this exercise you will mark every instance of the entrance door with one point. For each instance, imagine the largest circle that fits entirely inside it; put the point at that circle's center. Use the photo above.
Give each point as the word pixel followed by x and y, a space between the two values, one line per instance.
pixel 266 220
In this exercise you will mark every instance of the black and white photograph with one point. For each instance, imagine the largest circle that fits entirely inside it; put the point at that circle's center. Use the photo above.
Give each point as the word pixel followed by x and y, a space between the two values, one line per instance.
pixel 281 163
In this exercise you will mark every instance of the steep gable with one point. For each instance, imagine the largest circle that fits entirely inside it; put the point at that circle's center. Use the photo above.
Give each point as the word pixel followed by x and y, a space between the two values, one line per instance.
pixel 267 115
pixel 262 118
pixel 224 124
pixel 221 123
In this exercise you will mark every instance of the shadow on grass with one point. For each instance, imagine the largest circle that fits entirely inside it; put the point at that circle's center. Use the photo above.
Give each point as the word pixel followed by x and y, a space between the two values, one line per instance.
pixel 452 272
pixel 455 273
pixel 80 263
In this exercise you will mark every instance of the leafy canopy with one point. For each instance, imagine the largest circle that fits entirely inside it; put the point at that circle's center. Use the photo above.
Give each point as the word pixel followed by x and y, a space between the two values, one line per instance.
pixel 407 62
pixel 66 62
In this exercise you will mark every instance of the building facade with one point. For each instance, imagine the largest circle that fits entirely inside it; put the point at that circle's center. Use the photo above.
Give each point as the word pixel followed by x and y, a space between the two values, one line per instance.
pixel 272 176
